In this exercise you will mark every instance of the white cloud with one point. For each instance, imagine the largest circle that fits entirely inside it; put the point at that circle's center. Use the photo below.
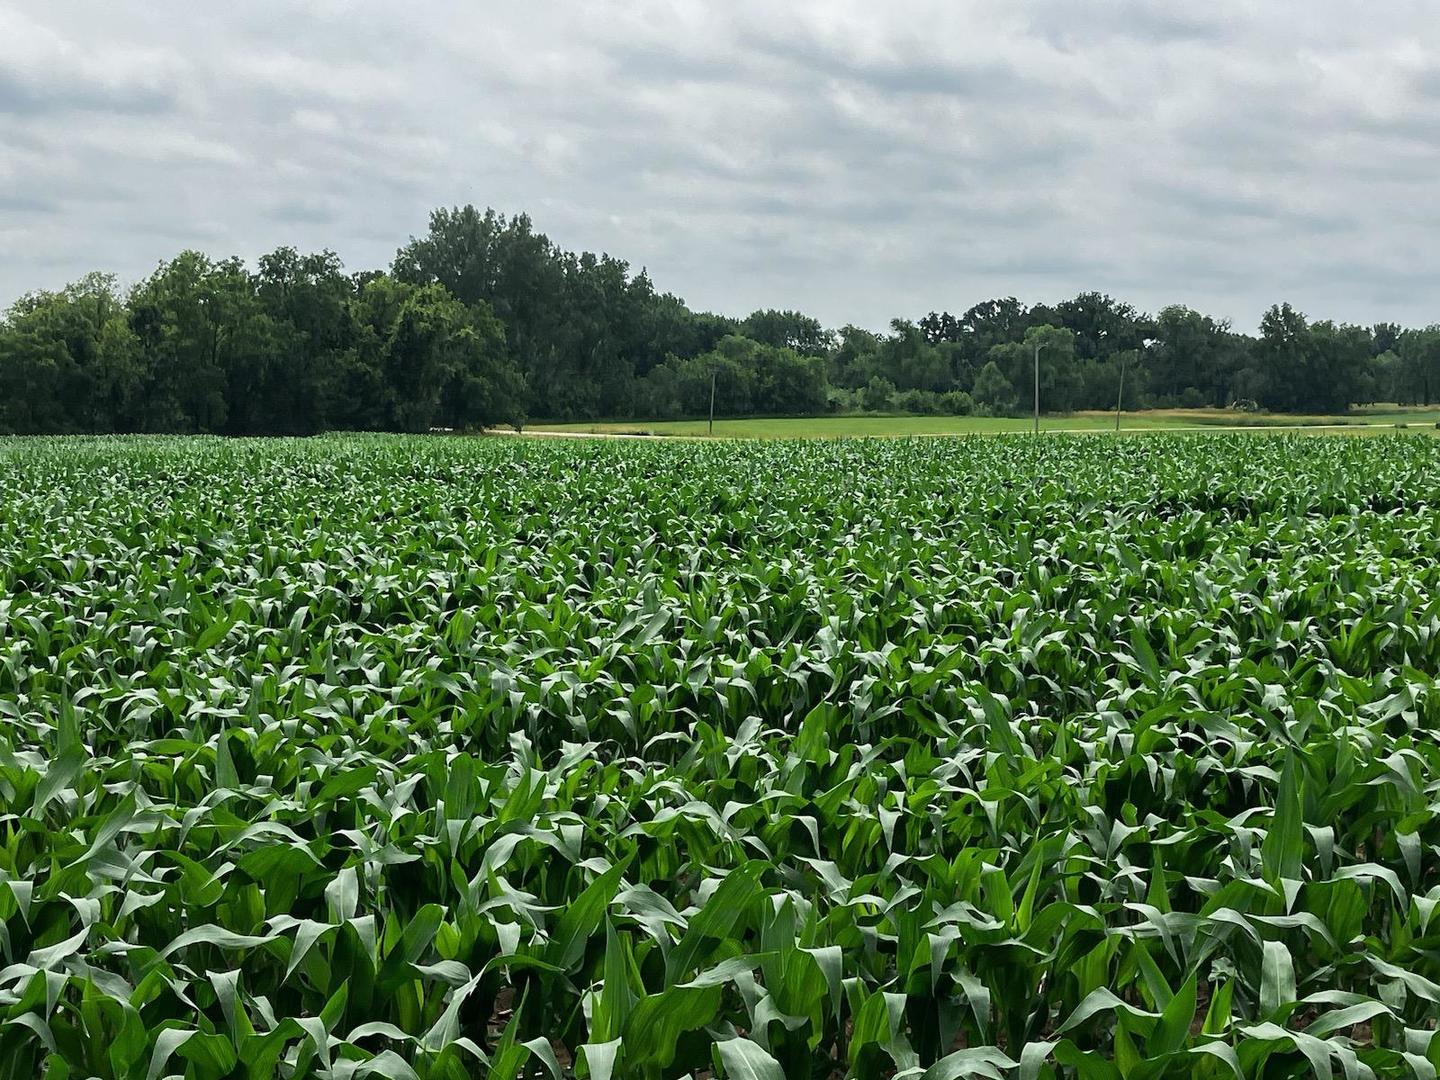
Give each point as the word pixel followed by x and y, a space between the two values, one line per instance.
pixel 44 70
pixel 853 159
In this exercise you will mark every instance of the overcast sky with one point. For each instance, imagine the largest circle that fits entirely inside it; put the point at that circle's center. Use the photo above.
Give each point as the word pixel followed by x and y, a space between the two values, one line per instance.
pixel 855 160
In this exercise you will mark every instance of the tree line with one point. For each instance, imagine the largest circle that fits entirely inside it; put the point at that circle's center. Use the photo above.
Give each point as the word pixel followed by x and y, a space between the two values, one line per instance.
pixel 483 321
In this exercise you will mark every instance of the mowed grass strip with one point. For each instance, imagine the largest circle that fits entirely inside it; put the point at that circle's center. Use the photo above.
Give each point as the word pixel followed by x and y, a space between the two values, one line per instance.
pixel 1380 420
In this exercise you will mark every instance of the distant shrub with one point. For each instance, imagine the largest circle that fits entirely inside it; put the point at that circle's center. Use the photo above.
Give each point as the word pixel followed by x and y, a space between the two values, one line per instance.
pixel 1191 398
pixel 993 392
pixel 921 402
pixel 959 403
pixel 878 395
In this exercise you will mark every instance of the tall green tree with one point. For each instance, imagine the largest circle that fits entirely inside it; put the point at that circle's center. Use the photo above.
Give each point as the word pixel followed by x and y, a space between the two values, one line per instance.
pixel 1417 380
pixel 1102 325
pixel 1059 377
pixel 1193 360
pixel 856 357
pixel 911 362
pixel 788 330
pixel 483 320
pixel 582 328
pixel 307 299
pixel 69 361
pixel 994 393
pixel 1310 367
pixel 436 361
pixel 202 329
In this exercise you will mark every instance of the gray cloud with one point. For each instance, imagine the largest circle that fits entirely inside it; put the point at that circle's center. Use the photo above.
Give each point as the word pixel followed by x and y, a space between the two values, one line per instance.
pixel 43 71
pixel 27 204
pixel 857 160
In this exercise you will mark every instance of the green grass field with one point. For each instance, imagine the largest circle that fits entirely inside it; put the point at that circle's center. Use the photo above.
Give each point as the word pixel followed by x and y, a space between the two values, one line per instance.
pixel 1381 418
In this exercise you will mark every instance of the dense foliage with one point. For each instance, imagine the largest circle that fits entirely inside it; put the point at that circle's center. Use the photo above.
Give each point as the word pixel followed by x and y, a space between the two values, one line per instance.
pixel 398 757
pixel 484 321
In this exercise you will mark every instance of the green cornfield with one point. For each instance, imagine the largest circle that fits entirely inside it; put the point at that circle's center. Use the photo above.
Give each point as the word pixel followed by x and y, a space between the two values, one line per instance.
pixel 990 757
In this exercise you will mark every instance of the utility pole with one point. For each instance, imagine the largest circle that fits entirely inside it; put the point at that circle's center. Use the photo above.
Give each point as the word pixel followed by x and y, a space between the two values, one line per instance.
pixel 1120 396
pixel 1037 388
pixel 712 404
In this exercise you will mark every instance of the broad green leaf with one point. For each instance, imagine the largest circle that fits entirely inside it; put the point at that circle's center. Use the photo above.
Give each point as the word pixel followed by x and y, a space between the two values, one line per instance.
pixel 744 1060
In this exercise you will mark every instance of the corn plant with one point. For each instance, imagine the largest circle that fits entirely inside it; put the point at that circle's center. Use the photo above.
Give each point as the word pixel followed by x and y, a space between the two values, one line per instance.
pixel 440 758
